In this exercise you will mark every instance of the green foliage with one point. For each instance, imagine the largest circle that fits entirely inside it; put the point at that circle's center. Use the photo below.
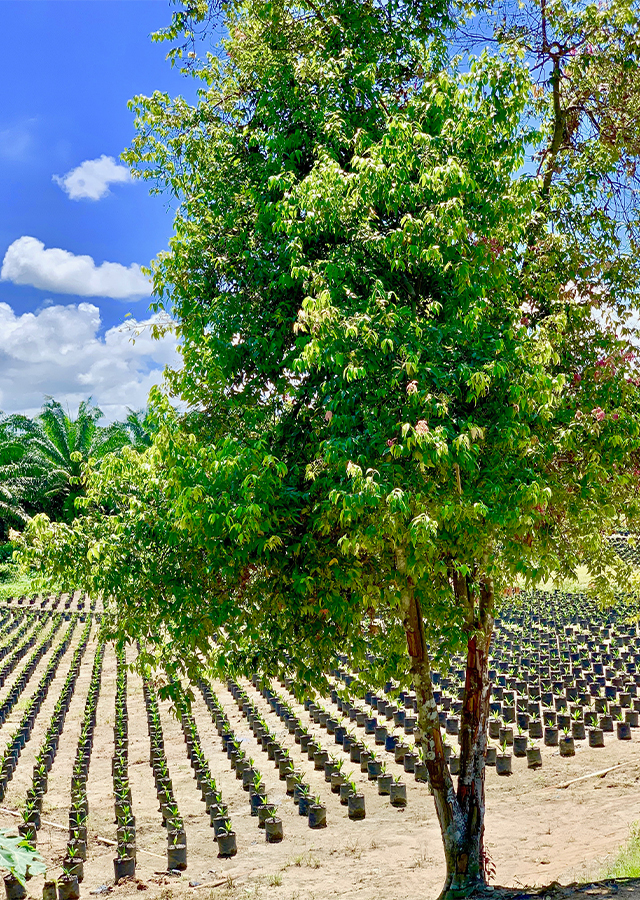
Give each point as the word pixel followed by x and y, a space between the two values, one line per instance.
pixel 627 863
pixel 41 458
pixel 19 857
pixel 14 482
pixel 7 567
pixel 15 585
pixel 55 445
pixel 6 552
pixel 142 544
pixel 408 354
pixel 141 427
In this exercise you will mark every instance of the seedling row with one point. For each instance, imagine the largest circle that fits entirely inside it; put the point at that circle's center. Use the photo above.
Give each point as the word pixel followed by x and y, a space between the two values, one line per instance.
pixel 565 675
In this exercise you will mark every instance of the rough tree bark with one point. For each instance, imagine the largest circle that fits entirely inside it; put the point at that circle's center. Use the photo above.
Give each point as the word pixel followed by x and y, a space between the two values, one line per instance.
pixel 460 813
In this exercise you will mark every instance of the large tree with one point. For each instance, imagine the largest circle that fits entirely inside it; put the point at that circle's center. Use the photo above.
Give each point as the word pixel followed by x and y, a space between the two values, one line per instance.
pixel 404 283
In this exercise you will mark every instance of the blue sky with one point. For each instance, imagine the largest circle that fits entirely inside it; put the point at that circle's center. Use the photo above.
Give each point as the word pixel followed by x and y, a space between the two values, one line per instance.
pixel 68 68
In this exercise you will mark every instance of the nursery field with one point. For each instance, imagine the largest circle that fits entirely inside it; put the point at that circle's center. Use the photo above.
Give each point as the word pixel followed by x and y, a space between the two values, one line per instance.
pixel 250 793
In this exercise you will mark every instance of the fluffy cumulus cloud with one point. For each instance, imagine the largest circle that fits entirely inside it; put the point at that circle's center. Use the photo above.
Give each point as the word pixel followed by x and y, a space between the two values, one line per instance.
pixel 91 179
pixel 58 351
pixel 28 261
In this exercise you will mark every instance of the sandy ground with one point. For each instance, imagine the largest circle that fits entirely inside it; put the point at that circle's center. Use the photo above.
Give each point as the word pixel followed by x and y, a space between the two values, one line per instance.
pixel 537 832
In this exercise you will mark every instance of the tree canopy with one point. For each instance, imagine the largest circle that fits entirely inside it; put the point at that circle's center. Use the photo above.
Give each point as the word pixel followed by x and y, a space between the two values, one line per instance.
pixel 404 275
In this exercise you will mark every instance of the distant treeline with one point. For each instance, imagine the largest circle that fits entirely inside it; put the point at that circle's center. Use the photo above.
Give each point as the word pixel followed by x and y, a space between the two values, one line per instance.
pixel 41 458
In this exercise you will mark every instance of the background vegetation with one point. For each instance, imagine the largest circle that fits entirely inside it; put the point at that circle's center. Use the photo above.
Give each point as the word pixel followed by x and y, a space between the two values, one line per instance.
pixel 41 459
pixel 41 466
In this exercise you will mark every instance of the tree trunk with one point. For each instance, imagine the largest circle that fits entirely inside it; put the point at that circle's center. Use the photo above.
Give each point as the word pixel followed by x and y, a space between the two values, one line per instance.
pixel 461 813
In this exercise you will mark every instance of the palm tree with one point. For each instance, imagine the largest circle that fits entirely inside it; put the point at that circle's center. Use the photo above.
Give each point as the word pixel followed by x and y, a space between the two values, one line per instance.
pixel 14 481
pixel 50 450
pixel 141 428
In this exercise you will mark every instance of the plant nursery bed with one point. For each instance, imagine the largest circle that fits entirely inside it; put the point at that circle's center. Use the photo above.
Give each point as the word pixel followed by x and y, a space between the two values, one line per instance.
pixel 551 826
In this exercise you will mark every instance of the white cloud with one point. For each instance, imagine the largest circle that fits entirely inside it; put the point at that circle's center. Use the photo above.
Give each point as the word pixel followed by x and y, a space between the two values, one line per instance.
pixel 91 179
pixel 28 262
pixel 57 351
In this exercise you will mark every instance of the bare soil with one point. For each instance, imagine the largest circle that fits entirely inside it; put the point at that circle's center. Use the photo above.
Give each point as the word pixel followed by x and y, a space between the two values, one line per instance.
pixel 537 832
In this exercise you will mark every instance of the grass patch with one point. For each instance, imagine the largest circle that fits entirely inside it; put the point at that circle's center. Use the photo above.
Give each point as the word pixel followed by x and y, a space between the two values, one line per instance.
pixel 627 863
pixel 15 585
pixel 304 859
pixel 12 582
pixel 570 585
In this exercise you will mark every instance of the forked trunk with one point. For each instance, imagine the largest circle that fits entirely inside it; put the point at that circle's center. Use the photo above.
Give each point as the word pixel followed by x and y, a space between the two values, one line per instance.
pixel 460 813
